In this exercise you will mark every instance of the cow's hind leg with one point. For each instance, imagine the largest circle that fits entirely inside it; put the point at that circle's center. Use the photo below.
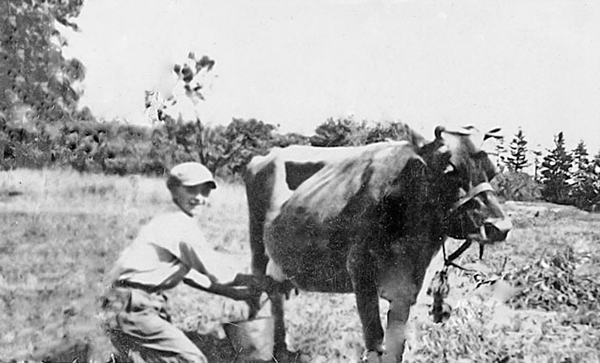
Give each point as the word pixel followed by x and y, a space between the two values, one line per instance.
pixel 259 258
pixel 257 245
pixel 281 353
pixel 361 269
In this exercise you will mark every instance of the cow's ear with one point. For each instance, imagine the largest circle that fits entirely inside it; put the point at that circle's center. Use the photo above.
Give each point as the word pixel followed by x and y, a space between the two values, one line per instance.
pixel 495 133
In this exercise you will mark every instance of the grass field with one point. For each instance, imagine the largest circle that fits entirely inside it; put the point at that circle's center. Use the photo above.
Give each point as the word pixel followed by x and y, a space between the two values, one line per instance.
pixel 60 232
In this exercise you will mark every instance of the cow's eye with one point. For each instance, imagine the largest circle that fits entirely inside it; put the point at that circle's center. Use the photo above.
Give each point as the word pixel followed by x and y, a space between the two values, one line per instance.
pixel 479 202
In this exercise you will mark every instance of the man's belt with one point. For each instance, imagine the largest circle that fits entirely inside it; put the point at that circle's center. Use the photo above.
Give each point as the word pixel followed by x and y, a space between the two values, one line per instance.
pixel 136 285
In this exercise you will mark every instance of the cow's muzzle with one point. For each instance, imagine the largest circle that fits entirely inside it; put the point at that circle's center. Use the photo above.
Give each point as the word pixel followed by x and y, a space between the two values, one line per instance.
pixel 494 230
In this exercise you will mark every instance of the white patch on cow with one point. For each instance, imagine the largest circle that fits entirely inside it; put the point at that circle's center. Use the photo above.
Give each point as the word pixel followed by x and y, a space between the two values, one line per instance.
pixel 275 271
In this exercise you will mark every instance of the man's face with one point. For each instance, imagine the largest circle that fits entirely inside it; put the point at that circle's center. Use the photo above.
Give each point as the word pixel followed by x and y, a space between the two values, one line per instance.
pixel 190 198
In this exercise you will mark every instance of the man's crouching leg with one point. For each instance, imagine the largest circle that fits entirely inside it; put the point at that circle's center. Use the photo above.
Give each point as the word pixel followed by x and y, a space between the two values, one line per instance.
pixel 143 335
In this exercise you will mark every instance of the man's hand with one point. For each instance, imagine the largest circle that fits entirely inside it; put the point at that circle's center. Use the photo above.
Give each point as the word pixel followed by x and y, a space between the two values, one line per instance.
pixel 255 285
pixel 286 287
pixel 265 283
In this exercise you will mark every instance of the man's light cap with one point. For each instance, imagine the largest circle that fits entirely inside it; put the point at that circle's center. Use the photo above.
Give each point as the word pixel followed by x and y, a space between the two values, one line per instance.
pixel 193 173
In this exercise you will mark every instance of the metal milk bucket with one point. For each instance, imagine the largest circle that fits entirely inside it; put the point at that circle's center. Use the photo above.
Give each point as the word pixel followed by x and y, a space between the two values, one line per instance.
pixel 252 339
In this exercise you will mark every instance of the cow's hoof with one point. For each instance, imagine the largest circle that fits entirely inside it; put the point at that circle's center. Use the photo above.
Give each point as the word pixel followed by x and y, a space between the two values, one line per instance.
pixel 285 356
pixel 372 356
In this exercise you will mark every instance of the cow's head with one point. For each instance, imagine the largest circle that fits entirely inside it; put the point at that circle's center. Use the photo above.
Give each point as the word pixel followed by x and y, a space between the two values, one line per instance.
pixel 462 173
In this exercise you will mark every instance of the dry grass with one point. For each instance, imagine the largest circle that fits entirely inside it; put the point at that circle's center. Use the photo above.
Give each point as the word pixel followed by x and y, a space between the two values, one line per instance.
pixel 60 231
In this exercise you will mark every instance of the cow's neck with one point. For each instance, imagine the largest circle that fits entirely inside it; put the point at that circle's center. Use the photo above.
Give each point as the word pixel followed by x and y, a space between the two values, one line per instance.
pixel 425 213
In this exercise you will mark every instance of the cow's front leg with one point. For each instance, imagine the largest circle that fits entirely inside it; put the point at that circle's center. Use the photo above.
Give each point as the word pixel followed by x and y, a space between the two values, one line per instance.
pixel 362 272
pixel 399 284
pixel 395 331
pixel 367 303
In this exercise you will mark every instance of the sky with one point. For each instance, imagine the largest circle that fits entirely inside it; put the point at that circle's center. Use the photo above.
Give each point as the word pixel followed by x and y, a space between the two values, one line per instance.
pixel 529 64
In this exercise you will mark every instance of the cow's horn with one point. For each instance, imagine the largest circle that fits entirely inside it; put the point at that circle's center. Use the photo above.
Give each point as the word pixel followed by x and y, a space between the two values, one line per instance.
pixel 462 131
pixel 466 130
pixel 438 132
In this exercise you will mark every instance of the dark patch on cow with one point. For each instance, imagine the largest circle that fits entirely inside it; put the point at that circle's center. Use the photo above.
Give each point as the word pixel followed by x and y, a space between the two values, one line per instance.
pixel 296 174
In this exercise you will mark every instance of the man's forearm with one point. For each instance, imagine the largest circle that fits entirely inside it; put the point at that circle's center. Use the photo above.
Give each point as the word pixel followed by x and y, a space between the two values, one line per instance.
pixel 243 293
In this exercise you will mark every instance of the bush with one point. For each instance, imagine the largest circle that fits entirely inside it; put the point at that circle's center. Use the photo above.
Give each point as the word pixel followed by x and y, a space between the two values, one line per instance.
pixel 551 284
pixel 517 186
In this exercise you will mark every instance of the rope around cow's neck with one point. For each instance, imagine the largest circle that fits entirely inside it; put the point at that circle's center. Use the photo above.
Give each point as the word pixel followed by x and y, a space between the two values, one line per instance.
pixel 448 260
pixel 472 193
pixel 440 288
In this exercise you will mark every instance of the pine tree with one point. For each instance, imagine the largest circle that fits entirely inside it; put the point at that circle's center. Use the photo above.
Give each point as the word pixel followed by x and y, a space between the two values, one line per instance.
pixel 537 154
pixel 517 160
pixel 556 172
pixel 580 157
pixel 581 191
pixel 588 183
pixel 595 172
pixel 500 153
pixel 595 164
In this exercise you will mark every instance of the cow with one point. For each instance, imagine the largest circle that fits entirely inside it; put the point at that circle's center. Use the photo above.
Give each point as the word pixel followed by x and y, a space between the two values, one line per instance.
pixel 368 220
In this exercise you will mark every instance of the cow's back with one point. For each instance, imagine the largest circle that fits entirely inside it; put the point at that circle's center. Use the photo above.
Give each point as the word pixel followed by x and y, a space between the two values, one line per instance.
pixel 271 179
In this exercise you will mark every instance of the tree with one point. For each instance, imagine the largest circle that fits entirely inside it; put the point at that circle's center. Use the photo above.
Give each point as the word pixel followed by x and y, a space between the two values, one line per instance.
pixel 537 155
pixel 188 134
pixel 595 164
pixel 230 149
pixel 586 187
pixel 580 157
pixel 517 160
pixel 500 152
pixel 556 175
pixel 340 132
pixel 595 172
pixel 35 77
pixel 382 131
pixel 291 138
pixel 37 93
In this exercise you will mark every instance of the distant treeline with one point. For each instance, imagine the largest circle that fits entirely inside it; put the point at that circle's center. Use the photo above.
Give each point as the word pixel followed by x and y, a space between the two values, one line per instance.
pixel 120 148
pixel 123 149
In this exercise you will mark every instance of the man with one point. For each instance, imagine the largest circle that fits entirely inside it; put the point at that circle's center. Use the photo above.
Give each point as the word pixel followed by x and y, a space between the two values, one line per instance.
pixel 168 250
